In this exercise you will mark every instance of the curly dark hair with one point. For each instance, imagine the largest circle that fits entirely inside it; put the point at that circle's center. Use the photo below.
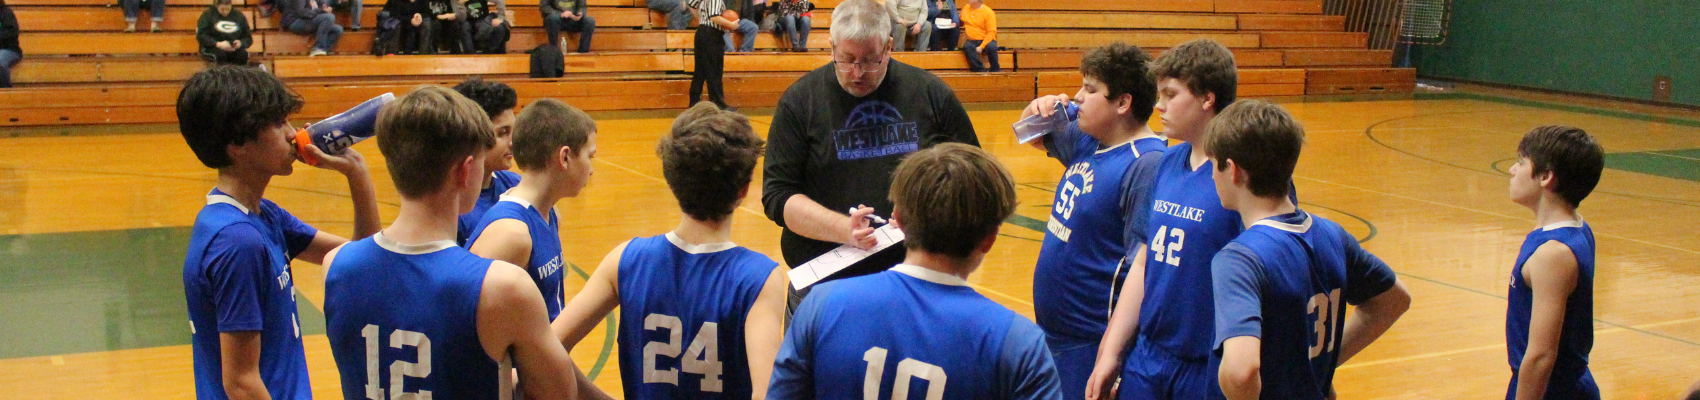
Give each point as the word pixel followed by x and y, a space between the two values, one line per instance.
pixel 1206 67
pixel 494 97
pixel 229 105
pixel 1574 158
pixel 708 159
pixel 1124 69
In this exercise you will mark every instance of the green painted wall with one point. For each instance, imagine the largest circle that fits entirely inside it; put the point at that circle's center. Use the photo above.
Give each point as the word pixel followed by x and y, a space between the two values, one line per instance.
pixel 1606 47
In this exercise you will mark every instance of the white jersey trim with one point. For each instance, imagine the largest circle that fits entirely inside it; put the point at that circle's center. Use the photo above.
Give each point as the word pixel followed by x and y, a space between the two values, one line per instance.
pixel 928 275
pixel 1298 228
pixel 1566 224
pixel 704 248
pixel 224 199
pixel 1113 148
pixel 411 249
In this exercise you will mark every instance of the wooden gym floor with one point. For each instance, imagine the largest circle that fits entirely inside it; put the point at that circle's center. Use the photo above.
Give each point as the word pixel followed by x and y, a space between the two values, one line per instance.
pixel 94 222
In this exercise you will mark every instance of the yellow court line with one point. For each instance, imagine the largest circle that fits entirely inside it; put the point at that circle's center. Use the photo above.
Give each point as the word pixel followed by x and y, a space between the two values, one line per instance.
pixel 976 287
pixel 1502 345
pixel 1596 233
pixel 1419 356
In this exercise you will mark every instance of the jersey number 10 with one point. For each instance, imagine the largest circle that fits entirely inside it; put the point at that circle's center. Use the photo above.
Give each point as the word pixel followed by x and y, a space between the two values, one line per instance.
pixel 702 358
pixel 907 369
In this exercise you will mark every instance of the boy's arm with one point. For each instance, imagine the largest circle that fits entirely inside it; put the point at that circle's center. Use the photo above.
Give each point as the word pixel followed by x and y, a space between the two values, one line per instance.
pixel 794 367
pixel 1237 283
pixel 764 330
pixel 352 165
pixel 601 293
pixel 1119 332
pixel 239 355
pixel 512 321
pixel 1242 367
pixel 1551 274
pixel 1374 289
pixel 505 239
pixel 1026 366
pixel 237 271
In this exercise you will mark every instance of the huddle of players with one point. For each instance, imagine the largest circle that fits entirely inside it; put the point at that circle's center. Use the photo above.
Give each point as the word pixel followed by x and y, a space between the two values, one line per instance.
pixel 1201 244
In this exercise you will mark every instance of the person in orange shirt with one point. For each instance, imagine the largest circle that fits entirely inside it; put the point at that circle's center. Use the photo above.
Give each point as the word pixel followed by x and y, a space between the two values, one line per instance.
pixel 980 24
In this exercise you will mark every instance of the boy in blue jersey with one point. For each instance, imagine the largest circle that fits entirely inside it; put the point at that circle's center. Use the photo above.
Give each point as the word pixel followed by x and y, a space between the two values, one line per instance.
pixel 409 313
pixel 498 101
pixel 692 287
pixel 920 320
pixel 1549 324
pixel 237 279
pixel 1166 299
pixel 1282 286
pixel 1080 260
pixel 554 144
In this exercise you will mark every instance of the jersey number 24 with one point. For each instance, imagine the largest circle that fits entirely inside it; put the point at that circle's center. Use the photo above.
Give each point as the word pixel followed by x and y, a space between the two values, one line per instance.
pixel 702 358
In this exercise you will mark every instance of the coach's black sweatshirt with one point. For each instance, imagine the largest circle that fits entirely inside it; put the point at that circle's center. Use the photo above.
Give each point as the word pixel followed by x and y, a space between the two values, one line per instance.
pixel 840 150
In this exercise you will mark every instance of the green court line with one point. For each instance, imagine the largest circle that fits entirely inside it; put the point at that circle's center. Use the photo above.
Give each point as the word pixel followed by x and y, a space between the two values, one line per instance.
pixel 608 341
pixel 1559 107
pixel 1675 164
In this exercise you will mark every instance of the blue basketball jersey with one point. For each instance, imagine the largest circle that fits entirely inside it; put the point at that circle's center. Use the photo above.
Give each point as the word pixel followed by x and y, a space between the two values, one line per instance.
pixel 544 265
pixel 403 319
pixel 1570 378
pixel 1080 260
pixel 236 278
pixel 910 333
pixel 500 182
pixel 1186 225
pixel 1287 280
pixel 676 296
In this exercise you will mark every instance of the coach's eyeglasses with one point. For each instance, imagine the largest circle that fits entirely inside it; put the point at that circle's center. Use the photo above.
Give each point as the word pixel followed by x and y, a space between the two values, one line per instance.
pixel 867 67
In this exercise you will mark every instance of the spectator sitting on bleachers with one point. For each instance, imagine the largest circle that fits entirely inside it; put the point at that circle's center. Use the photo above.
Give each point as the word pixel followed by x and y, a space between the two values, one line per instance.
pixel 310 17
pixel 224 34
pixel 911 18
pixel 569 15
pixel 10 53
pixel 444 23
pixel 980 24
pixel 132 8
pixel 490 26
pixel 794 19
pixel 353 7
pixel 678 16
pixel 944 38
pixel 746 23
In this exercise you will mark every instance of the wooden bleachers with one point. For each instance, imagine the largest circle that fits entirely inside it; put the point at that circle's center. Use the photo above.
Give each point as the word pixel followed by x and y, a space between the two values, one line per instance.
pixel 80 69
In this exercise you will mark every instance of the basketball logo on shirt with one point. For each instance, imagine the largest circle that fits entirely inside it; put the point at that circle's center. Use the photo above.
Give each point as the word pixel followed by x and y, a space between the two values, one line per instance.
pixel 875 129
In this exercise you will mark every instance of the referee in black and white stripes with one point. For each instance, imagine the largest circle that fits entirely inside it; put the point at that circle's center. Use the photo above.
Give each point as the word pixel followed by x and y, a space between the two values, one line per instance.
pixel 710 50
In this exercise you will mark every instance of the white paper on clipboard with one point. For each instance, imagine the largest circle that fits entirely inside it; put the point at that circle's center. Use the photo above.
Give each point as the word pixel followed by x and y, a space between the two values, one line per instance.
pixel 943 23
pixel 840 258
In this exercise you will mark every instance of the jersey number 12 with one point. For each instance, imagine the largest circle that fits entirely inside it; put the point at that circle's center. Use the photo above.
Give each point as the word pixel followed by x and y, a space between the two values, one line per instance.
pixel 399 369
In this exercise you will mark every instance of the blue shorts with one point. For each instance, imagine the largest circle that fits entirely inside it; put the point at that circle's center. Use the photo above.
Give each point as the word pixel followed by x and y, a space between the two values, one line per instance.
pixel 1152 373
pixel 1074 367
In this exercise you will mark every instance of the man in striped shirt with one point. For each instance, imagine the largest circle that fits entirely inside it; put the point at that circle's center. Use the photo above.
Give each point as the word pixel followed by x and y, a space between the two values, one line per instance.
pixel 710 50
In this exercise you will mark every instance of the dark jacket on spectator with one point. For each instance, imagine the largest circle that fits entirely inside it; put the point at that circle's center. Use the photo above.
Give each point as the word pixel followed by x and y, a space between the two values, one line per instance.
pixel 555 7
pixel 434 8
pixel 297 9
pixel 8 29
pixel 214 28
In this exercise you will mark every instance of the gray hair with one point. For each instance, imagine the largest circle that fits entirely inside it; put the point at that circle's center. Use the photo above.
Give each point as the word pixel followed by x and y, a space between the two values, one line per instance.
pixel 860 20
